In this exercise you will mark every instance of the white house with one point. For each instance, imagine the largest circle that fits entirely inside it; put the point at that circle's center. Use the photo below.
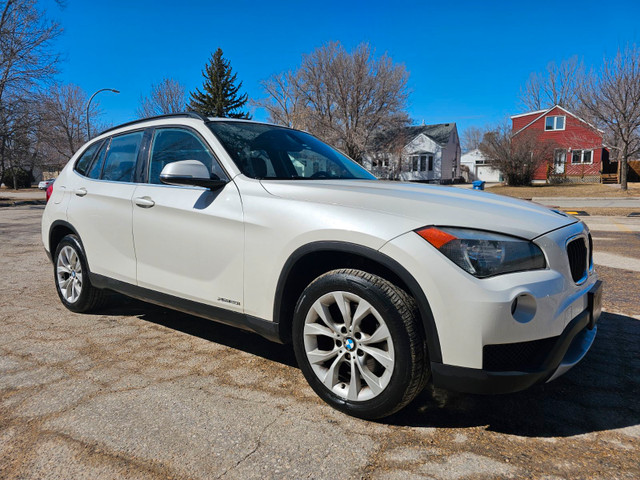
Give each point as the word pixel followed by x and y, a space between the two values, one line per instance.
pixel 426 153
pixel 479 167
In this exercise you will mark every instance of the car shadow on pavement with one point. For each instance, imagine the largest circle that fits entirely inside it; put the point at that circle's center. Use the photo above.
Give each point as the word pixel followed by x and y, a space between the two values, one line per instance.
pixel 206 329
pixel 600 393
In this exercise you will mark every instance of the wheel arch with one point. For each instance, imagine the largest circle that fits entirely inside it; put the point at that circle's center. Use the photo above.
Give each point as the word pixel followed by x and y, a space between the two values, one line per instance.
pixel 312 260
pixel 58 230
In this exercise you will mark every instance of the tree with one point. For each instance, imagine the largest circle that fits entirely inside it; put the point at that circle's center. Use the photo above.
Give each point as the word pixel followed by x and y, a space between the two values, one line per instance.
pixel 25 45
pixel 611 99
pixel 26 63
pixel 472 138
pixel 559 86
pixel 344 98
pixel 167 96
pixel 516 156
pixel 64 117
pixel 220 97
pixel 286 104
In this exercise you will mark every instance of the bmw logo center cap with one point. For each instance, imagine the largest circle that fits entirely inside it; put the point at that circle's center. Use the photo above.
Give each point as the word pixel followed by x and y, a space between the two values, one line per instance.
pixel 349 344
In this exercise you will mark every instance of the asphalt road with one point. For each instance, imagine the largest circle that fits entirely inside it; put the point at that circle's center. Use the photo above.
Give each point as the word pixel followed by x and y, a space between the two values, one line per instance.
pixel 141 392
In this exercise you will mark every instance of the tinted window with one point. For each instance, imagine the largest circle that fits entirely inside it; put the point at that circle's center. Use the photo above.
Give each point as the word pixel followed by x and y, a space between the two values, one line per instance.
pixel 121 157
pixel 82 165
pixel 96 167
pixel 266 151
pixel 174 144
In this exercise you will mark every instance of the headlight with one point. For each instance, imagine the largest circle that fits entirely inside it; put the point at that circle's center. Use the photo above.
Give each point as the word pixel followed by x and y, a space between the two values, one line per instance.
pixel 484 254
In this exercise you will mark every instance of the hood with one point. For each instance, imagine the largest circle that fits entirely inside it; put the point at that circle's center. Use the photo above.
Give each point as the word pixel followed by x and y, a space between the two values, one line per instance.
pixel 428 204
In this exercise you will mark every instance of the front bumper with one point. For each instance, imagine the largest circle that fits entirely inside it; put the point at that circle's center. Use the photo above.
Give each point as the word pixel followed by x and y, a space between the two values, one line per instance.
pixel 566 351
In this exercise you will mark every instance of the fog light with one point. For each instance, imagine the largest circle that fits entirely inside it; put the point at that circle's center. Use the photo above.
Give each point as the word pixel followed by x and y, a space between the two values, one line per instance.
pixel 523 308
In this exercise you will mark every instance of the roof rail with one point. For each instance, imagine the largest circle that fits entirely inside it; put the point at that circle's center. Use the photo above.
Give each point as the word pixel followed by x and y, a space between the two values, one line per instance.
pixel 195 115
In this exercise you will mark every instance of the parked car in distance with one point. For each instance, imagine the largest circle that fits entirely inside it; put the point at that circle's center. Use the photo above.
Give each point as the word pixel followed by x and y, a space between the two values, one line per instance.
pixel 44 184
pixel 380 286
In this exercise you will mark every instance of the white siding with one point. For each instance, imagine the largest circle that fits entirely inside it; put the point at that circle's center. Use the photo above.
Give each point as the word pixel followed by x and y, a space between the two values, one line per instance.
pixel 479 172
pixel 418 146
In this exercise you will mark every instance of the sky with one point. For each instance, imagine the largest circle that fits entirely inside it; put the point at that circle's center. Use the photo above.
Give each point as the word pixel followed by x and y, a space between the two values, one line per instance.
pixel 467 60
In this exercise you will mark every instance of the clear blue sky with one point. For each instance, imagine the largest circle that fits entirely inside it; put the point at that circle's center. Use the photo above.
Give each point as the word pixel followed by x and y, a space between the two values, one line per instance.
pixel 467 59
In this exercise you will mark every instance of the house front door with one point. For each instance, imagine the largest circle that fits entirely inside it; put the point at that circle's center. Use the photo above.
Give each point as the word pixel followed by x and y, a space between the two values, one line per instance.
pixel 559 160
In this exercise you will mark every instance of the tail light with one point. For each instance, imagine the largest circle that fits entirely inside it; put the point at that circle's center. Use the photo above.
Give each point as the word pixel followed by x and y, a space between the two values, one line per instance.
pixel 49 191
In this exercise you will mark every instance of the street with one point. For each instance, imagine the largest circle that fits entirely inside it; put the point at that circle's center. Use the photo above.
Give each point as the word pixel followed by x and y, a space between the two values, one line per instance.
pixel 139 391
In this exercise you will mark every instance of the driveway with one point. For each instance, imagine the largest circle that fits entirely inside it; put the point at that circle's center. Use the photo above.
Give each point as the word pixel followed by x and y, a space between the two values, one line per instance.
pixel 138 391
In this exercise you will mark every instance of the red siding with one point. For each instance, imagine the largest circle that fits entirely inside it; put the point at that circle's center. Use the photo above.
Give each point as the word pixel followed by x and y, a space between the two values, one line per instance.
pixel 577 135
pixel 523 121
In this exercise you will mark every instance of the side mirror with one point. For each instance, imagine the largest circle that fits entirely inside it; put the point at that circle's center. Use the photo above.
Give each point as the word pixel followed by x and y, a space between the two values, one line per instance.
pixel 190 172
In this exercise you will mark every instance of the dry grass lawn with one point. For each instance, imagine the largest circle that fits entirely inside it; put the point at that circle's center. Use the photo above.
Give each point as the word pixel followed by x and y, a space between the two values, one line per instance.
pixel 569 190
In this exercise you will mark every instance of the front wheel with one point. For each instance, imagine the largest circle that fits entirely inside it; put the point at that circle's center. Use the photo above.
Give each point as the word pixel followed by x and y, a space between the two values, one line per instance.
pixel 72 277
pixel 358 341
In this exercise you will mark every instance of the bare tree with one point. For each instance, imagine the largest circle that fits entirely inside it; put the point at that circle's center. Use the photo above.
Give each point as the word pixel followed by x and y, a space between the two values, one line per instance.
pixel 26 62
pixel 344 98
pixel 64 116
pixel 286 103
pixel 167 96
pixel 25 44
pixel 516 156
pixel 472 138
pixel 611 99
pixel 559 85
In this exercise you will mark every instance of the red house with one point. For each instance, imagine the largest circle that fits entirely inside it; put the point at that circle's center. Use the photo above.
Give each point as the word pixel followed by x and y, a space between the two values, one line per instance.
pixel 579 156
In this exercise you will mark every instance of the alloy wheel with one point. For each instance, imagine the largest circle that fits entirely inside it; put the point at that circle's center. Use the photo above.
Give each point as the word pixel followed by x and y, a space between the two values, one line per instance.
pixel 69 274
pixel 349 346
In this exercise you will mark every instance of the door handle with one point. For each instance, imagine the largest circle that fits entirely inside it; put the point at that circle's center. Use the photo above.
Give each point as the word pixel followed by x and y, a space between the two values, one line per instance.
pixel 81 192
pixel 144 202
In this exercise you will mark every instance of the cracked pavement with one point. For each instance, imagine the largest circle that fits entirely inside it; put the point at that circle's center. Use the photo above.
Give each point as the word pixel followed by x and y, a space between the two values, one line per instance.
pixel 141 392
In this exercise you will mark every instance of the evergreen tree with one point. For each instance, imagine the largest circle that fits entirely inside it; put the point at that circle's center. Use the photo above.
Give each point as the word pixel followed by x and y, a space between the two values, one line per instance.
pixel 220 97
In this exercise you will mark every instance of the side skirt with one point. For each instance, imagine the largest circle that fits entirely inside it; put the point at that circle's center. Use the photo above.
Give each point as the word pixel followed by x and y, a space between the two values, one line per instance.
pixel 265 328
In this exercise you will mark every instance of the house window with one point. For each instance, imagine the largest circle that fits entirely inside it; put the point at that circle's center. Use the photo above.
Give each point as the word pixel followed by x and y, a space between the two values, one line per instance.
pixel 385 162
pixel 582 156
pixel 554 123
pixel 420 163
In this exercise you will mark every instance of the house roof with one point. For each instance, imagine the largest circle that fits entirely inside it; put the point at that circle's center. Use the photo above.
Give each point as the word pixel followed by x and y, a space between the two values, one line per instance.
pixel 542 113
pixel 529 113
pixel 439 132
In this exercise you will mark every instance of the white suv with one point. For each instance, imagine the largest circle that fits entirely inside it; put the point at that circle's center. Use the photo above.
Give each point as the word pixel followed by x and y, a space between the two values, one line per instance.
pixel 380 286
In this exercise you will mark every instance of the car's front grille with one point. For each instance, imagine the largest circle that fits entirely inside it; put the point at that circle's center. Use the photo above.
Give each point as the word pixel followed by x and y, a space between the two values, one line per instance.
pixel 522 356
pixel 577 252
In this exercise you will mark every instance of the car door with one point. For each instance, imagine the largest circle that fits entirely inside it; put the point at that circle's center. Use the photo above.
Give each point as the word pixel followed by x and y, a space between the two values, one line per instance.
pixel 100 207
pixel 189 241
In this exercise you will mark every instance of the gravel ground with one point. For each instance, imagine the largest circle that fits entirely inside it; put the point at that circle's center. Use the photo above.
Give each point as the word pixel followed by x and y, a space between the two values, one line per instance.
pixel 141 392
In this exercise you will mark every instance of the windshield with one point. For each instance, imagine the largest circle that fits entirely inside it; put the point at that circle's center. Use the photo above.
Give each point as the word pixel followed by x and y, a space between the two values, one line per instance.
pixel 269 152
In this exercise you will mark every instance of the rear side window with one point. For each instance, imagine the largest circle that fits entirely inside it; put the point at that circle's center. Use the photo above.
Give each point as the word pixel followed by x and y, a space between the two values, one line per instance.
pixel 175 144
pixel 96 166
pixel 121 157
pixel 82 165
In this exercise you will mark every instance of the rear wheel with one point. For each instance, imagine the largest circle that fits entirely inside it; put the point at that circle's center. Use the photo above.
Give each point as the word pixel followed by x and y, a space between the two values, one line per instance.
pixel 72 277
pixel 359 344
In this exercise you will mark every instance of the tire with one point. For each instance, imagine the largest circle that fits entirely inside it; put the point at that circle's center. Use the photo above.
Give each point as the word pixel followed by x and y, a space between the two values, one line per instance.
pixel 368 358
pixel 71 276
